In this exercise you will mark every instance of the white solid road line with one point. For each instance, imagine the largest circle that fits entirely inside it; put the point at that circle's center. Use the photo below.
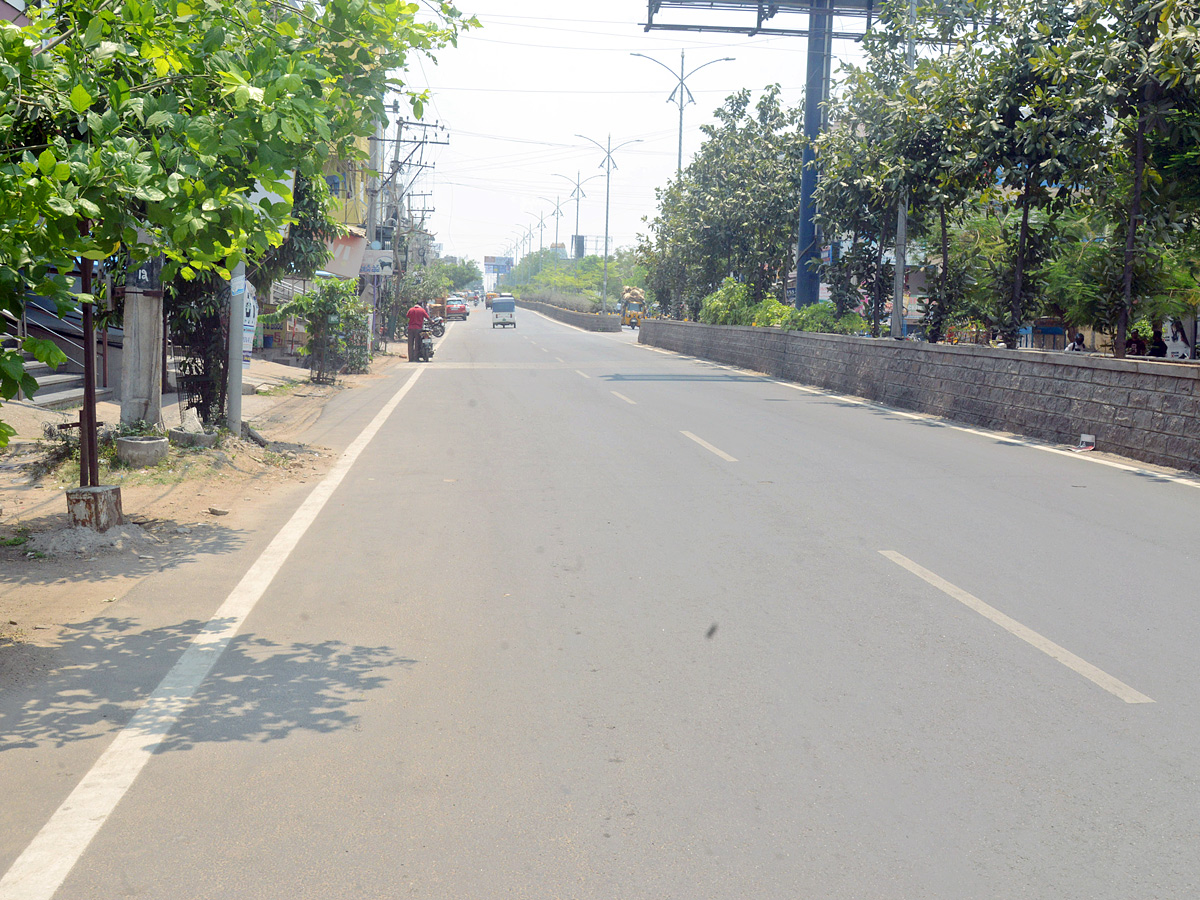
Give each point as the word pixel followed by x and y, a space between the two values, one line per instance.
pixel 1031 637
pixel 623 397
pixel 707 446
pixel 43 866
pixel 1185 480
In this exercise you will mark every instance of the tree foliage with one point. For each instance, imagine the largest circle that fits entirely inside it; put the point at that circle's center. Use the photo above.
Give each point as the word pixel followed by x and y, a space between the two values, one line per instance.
pixel 733 210
pixel 154 121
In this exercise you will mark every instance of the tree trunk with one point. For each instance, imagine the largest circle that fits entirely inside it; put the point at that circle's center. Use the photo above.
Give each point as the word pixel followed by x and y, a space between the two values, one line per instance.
pixel 1135 214
pixel 1016 305
pixel 943 310
pixel 877 291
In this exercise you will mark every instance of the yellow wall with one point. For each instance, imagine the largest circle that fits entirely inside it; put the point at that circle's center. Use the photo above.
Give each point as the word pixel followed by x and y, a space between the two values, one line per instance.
pixel 351 205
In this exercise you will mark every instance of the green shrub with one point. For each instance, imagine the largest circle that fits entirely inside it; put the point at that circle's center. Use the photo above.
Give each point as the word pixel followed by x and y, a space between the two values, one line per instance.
pixel 727 305
pixel 824 318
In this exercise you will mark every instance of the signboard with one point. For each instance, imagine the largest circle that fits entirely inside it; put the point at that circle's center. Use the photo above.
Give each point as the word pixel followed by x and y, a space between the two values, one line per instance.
pixel 147 277
pixel 250 319
pixel 497 265
pixel 376 262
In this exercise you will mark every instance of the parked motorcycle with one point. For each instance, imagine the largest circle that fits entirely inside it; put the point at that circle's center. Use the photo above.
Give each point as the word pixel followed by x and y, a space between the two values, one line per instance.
pixel 425 345
pixel 438 325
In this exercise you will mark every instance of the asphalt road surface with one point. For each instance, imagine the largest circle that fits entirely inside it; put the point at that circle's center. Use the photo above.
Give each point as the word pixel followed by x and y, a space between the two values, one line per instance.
pixel 580 619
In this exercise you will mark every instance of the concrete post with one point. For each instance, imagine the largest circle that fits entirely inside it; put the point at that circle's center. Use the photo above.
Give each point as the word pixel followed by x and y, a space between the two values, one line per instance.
pixel 237 315
pixel 141 363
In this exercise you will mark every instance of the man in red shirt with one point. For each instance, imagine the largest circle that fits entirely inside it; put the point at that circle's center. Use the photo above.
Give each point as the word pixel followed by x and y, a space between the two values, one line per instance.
pixel 416 318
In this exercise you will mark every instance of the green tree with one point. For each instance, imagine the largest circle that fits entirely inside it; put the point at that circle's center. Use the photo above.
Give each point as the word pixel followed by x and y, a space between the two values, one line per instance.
pixel 154 121
pixel 1037 133
pixel 1142 57
pixel 461 275
pixel 733 209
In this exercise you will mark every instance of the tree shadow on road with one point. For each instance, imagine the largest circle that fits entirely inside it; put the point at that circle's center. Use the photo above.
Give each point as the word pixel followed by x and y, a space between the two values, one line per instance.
pixel 165 545
pixel 259 690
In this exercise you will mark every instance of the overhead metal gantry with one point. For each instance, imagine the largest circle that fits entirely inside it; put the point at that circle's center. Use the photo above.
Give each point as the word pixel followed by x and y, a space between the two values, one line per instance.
pixel 814 19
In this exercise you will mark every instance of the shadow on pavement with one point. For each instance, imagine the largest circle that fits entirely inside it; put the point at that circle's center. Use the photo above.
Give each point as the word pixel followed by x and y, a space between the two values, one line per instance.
pixel 259 690
pixel 169 544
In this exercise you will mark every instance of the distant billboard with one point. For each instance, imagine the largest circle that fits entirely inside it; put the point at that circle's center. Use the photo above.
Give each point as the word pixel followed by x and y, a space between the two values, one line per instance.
pixel 497 265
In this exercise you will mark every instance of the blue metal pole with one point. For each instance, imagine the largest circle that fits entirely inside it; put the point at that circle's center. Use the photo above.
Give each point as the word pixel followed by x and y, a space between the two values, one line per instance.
pixel 808 283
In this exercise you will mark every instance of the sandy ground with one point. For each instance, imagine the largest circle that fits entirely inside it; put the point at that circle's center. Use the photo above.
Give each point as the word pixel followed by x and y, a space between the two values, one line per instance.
pixel 51 574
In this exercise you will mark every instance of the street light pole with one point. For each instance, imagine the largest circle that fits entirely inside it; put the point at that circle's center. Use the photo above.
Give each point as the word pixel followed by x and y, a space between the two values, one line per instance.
pixel 557 215
pixel 576 194
pixel 609 164
pixel 681 94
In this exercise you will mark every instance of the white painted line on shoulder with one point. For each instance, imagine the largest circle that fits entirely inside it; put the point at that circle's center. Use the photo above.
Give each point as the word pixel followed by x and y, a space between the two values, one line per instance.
pixel 707 446
pixel 1067 658
pixel 43 866
pixel 583 374
pixel 623 397
pixel 1185 480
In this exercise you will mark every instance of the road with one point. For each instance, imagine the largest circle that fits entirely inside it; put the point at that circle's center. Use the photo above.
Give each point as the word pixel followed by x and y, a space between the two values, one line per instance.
pixel 583 619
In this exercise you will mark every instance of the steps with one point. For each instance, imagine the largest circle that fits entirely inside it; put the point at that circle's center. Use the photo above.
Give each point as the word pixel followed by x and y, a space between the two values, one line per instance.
pixel 58 389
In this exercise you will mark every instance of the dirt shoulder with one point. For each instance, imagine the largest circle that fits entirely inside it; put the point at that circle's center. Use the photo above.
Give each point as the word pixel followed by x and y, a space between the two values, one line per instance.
pixel 194 500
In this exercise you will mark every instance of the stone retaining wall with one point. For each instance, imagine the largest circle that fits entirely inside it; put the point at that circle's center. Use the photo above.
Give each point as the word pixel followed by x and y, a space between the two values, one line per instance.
pixel 588 321
pixel 1140 409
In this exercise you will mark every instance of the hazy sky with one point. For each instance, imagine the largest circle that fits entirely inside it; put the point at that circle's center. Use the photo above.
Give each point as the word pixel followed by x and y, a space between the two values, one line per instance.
pixel 515 92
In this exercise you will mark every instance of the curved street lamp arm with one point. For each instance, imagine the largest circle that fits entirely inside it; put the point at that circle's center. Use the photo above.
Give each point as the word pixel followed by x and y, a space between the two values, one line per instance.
pixel 674 74
pixel 603 149
pixel 709 63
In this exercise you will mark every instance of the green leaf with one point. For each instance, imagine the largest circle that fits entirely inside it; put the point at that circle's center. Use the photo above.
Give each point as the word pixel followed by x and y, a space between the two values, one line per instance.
pixel 162 117
pixel 80 98
pixel 61 205
pixel 95 31
pixel 47 161
pixel 44 350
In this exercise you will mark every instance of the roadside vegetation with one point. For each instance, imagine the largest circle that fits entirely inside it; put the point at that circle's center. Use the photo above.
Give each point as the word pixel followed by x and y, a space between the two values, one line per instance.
pixel 1047 153
pixel 576 284
pixel 140 132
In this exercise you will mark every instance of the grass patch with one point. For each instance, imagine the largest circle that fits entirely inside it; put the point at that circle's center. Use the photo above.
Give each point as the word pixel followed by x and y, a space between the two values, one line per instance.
pixel 17 540
pixel 280 389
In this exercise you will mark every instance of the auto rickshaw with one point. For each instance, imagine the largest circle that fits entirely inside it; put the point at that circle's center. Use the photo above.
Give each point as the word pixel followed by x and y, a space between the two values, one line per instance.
pixel 633 303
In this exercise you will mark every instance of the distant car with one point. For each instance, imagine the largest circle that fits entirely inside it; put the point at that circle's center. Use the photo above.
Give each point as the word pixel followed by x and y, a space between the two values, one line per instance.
pixel 456 309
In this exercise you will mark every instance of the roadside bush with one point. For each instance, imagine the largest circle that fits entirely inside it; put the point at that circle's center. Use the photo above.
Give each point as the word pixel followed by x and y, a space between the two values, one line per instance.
pixel 824 318
pixel 585 302
pixel 727 305
pixel 730 305
pixel 336 320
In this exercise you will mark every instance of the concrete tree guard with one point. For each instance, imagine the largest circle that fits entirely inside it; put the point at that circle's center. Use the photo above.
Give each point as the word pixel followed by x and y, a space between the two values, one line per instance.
pixel 141 451
pixel 204 440
pixel 98 508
